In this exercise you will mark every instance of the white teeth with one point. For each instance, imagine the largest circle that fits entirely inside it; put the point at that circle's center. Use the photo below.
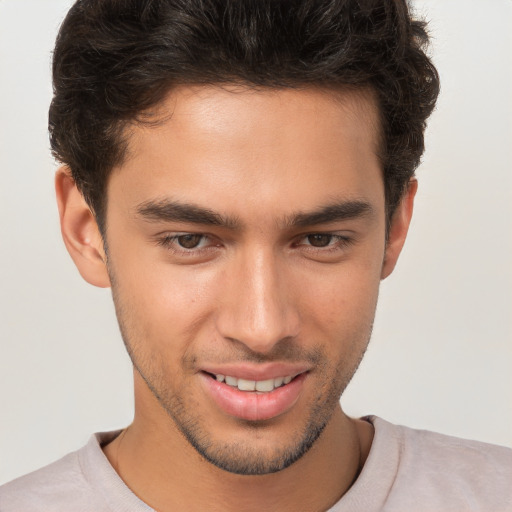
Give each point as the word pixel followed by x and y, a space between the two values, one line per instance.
pixel 278 382
pixel 263 386
pixel 246 385
pixel 232 381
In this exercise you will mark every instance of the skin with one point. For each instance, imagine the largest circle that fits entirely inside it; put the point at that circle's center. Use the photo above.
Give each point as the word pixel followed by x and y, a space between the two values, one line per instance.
pixel 273 285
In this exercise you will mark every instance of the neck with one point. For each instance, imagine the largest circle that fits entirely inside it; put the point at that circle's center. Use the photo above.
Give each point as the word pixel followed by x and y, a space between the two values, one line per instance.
pixel 159 465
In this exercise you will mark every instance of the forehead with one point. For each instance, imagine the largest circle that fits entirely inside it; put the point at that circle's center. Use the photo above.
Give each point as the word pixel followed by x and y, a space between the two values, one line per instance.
pixel 222 147
pixel 239 110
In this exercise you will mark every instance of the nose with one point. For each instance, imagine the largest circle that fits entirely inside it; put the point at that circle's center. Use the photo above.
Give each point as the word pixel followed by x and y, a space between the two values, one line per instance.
pixel 257 306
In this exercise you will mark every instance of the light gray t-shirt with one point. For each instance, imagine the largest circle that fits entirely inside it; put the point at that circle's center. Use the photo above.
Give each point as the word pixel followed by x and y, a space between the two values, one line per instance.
pixel 407 470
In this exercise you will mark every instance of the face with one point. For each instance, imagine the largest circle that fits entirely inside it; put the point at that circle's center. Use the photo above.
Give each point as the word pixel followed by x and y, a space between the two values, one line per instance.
pixel 246 241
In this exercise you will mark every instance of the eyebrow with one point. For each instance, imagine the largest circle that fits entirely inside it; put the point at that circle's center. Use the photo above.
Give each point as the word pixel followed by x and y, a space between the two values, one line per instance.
pixel 166 210
pixel 335 212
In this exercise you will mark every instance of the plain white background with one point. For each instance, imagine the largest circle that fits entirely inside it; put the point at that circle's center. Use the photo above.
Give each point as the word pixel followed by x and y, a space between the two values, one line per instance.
pixel 441 354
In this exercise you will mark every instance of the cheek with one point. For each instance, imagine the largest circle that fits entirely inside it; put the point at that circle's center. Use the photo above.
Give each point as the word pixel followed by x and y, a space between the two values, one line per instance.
pixel 161 304
pixel 341 302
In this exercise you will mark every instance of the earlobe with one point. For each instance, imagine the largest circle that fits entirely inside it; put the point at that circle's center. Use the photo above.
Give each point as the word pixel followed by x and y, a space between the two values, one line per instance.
pixel 80 231
pixel 398 229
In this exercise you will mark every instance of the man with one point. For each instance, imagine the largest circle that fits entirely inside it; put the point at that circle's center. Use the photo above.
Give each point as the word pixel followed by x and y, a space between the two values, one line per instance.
pixel 242 175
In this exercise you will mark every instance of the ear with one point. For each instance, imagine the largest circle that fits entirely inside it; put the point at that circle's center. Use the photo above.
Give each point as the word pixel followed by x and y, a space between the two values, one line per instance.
pixel 80 231
pixel 398 229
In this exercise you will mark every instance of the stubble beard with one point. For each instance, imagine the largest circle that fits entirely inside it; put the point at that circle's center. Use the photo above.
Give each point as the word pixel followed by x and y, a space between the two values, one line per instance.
pixel 241 457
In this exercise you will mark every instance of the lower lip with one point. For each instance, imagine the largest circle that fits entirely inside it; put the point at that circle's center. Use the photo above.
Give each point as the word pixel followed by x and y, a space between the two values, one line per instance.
pixel 251 405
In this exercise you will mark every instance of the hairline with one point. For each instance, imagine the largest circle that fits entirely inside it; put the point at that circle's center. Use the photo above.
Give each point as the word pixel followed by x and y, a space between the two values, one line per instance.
pixel 156 116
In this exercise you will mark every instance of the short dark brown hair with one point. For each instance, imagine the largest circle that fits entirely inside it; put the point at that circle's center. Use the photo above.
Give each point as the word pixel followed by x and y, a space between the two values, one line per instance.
pixel 116 59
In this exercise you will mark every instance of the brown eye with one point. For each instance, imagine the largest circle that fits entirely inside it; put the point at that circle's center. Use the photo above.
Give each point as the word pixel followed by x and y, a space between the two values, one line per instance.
pixel 319 240
pixel 189 241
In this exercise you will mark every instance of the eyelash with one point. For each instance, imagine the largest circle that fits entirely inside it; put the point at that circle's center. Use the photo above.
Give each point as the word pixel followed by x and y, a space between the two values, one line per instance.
pixel 340 242
pixel 170 242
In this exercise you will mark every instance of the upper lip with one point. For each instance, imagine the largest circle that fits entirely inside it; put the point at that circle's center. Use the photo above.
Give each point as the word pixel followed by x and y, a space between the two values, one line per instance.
pixel 251 371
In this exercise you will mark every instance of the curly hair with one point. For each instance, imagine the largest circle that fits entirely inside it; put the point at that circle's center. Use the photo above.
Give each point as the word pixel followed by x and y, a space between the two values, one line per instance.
pixel 116 59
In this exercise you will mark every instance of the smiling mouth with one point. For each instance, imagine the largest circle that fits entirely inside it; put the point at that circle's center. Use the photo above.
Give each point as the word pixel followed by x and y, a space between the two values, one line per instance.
pixel 262 386
pixel 254 399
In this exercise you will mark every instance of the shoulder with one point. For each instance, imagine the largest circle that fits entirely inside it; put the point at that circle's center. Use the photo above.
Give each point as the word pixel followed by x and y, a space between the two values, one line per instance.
pixel 64 485
pixel 450 473
pixel 50 488
pixel 432 452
